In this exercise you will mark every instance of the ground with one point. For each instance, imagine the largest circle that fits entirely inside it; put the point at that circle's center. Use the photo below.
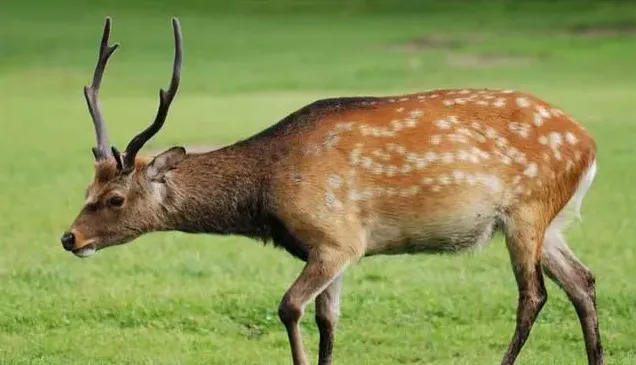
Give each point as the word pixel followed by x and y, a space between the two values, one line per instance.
pixel 182 299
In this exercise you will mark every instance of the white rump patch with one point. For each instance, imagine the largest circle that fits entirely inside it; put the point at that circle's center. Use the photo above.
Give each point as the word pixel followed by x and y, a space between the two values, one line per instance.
pixel 572 210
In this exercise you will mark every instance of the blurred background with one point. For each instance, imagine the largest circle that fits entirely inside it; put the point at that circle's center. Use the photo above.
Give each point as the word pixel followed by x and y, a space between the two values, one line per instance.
pixel 171 298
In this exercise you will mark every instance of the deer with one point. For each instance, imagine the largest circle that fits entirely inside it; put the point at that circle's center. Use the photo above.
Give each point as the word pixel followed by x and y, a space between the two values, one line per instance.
pixel 347 178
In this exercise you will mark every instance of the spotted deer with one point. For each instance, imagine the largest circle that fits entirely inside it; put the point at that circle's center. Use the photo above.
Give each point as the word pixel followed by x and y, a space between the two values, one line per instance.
pixel 345 178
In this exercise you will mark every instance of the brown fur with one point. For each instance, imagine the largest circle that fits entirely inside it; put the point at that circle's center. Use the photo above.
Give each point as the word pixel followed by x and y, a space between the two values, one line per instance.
pixel 345 178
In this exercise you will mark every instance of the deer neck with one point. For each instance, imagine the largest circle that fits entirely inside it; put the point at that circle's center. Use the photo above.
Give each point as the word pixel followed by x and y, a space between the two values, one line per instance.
pixel 219 192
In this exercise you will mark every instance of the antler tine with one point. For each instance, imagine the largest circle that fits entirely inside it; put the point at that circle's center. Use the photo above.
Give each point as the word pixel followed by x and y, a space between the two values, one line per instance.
pixel 91 93
pixel 165 99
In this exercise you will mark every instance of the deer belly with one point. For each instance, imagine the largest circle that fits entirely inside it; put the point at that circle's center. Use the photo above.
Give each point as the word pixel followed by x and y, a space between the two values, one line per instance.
pixel 434 236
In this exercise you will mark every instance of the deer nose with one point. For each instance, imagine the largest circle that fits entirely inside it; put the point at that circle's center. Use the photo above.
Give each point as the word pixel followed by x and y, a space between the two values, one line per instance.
pixel 68 240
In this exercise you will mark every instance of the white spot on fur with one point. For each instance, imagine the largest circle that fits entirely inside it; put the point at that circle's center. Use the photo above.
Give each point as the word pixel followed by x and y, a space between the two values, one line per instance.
pixel 463 155
pixel 545 113
pixel 464 131
pixel 490 181
pixel 444 179
pixel 521 129
pixel 520 158
pixel 458 138
pixel 570 138
pixel 442 124
pixel 399 110
pixel 415 114
pixel 501 142
pixel 410 123
pixel 420 163
pixel 410 191
pixel 499 103
pixel 366 162
pixel 554 141
pixel 427 181
pixel 531 170
pixel 335 181
pixel 505 159
pixel 331 201
pixel 471 179
pixel 397 125
pixel 430 156
pixel 436 139
pixel 406 168
pixel 344 126
pixel 447 157
pixel 354 157
pixel 523 102
pixel 381 154
pixel 480 153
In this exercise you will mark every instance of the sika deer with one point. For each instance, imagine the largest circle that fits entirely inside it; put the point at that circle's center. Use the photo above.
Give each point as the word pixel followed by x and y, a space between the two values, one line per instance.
pixel 345 178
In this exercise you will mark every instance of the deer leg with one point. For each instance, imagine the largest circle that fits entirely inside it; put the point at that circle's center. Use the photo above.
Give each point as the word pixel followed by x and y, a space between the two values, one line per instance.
pixel 327 313
pixel 577 281
pixel 322 268
pixel 523 246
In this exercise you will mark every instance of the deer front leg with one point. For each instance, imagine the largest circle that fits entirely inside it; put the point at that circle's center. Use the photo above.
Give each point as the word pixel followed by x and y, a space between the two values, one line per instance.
pixel 327 313
pixel 322 268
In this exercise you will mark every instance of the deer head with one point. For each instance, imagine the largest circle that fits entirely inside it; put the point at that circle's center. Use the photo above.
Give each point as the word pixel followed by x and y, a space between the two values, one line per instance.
pixel 123 200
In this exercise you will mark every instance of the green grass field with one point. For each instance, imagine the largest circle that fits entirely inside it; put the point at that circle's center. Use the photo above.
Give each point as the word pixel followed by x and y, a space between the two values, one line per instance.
pixel 180 299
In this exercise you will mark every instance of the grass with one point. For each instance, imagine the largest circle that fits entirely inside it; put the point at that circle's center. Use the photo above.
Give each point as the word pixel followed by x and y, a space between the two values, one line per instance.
pixel 180 299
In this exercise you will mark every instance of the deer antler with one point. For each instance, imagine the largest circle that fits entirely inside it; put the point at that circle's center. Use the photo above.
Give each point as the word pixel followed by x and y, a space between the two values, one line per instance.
pixel 165 99
pixel 91 93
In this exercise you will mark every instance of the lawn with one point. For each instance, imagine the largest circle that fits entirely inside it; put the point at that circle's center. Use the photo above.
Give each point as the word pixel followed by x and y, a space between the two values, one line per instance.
pixel 183 299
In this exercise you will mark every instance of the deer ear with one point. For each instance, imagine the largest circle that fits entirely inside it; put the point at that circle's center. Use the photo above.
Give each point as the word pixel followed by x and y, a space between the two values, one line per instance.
pixel 164 162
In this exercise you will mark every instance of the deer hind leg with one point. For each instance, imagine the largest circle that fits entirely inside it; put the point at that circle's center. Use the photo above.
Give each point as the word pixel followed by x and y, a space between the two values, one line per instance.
pixel 524 242
pixel 327 313
pixel 577 281
pixel 324 266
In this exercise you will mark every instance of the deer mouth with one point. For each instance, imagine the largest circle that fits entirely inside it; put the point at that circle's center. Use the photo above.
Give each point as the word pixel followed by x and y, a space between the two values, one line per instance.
pixel 85 251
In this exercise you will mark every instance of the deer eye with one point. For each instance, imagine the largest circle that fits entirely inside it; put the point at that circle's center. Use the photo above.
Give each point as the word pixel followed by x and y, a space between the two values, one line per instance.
pixel 116 201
